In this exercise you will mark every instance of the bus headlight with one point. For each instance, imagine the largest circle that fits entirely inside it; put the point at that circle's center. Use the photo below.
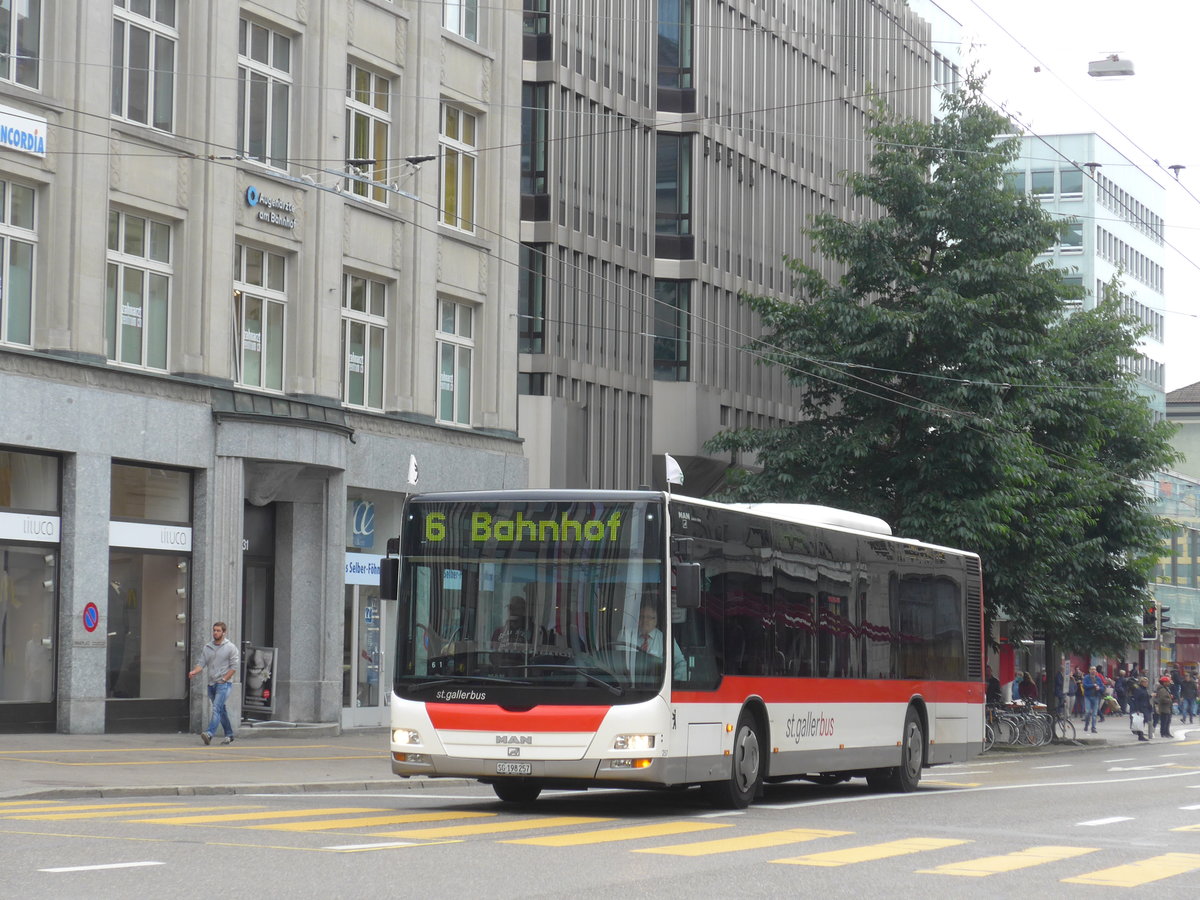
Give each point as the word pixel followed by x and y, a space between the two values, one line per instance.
pixel 405 736
pixel 633 742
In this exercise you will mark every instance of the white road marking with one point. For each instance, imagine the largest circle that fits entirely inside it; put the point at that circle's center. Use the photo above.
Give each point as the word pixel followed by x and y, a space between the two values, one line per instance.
pixel 129 865
pixel 1111 820
pixel 1060 766
pixel 717 815
pixel 1122 759
pixel 371 846
pixel 1171 755
pixel 1197 806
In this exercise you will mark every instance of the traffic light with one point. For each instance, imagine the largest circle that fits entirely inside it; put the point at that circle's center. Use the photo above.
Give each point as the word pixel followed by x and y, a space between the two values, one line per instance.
pixel 1164 621
pixel 1149 622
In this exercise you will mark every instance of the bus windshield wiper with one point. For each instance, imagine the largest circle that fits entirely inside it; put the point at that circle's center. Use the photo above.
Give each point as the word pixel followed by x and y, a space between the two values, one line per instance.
pixel 594 679
pixel 471 679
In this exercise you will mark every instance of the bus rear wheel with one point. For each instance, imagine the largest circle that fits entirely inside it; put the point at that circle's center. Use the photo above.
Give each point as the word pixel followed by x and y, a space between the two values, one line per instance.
pixel 746 768
pixel 905 777
pixel 517 791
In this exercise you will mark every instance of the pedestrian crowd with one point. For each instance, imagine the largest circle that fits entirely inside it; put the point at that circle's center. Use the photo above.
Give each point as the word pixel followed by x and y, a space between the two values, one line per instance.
pixel 1148 703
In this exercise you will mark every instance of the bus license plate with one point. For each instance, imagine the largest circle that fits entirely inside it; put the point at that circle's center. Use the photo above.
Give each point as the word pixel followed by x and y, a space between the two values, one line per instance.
pixel 514 768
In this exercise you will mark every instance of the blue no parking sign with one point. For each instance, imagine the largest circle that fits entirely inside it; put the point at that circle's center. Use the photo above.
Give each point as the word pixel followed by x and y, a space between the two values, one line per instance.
pixel 91 618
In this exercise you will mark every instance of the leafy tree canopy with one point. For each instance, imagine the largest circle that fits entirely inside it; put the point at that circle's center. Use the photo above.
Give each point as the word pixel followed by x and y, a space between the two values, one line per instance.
pixel 945 390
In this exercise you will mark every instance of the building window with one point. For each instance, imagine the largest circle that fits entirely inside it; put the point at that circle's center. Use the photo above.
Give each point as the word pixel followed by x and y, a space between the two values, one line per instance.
pixel 672 323
pixel 537 17
pixel 673 188
pixel 1072 239
pixel 675 44
pixel 368 125
pixel 138 290
pixel 143 66
pixel 531 300
pixel 264 92
pixel 1041 182
pixel 20 41
pixel 17 242
pixel 461 17
pixel 458 146
pixel 364 329
pixel 455 346
pixel 259 304
pixel 535 122
pixel 1015 182
pixel 1071 182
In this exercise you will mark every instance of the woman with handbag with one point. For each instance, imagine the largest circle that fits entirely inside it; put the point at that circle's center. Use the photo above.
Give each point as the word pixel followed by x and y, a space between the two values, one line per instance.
pixel 1140 710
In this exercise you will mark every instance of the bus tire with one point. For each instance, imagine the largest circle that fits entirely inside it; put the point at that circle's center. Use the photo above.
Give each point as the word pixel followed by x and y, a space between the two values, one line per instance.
pixel 523 792
pixel 904 778
pixel 745 768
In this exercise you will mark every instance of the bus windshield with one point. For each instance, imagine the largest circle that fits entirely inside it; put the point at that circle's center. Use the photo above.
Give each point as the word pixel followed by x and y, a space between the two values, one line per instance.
pixel 502 601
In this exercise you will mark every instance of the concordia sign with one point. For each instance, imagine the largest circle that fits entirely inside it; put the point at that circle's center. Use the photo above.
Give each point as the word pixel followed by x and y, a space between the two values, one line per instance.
pixel 22 132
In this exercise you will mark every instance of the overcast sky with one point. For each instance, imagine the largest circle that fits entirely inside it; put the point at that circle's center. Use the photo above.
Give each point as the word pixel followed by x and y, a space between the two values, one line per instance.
pixel 1150 116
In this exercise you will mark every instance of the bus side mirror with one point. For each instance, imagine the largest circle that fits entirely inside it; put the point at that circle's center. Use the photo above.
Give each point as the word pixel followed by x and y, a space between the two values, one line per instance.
pixel 687 585
pixel 389 577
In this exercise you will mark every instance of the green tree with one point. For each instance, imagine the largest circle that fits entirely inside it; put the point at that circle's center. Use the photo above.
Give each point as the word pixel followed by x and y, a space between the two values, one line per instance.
pixel 945 390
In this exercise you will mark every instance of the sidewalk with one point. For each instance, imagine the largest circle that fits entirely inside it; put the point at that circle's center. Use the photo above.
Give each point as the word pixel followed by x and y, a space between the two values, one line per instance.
pixel 56 766
pixel 286 760
pixel 1112 732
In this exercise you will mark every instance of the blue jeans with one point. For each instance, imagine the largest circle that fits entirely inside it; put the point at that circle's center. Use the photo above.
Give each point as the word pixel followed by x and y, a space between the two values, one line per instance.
pixel 217 695
pixel 1091 708
pixel 1188 707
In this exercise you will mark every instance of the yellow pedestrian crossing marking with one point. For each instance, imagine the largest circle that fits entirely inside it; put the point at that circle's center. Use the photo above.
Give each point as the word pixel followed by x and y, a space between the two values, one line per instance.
pixel 1141 872
pixel 1187 828
pixel 369 821
pixel 746 842
pixel 109 813
pixel 27 803
pixel 609 835
pixel 135 807
pixel 245 817
pixel 872 852
pixel 1009 862
pixel 456 831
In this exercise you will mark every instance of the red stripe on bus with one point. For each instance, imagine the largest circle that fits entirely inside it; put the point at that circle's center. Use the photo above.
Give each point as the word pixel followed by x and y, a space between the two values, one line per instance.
pixel 735 689
pixel 486 717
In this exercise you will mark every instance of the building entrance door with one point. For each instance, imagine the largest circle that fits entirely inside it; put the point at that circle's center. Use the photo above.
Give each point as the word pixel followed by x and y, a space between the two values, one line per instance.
pixel 27 630
pixel 367 659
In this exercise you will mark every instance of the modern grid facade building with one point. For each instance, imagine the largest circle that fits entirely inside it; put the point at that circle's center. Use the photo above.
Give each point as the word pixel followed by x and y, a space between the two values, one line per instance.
pixel 1116 229
pixel 257 285
pixel 672 153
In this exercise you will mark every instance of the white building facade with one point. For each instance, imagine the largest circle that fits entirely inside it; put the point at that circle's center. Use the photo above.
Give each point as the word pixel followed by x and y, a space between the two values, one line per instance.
pixel 238 327
pixel 1116 228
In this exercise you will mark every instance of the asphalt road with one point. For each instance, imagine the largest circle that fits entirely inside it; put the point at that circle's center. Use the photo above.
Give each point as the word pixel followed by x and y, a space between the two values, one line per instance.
pixel 1077 823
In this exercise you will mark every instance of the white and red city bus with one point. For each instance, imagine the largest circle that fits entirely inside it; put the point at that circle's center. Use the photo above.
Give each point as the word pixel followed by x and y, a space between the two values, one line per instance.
pixel 804 643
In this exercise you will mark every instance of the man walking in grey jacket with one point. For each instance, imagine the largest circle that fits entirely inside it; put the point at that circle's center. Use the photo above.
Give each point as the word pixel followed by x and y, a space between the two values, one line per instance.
pixel 220 661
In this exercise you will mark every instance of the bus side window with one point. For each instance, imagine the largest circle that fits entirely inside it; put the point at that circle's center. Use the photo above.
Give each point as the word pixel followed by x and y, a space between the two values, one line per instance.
pixel 696 642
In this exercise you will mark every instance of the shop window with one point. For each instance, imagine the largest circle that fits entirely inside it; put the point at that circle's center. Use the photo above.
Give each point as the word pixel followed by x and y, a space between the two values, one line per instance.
pixel 364 336
pixel 18 244
pixel 138 290
pixel 260 304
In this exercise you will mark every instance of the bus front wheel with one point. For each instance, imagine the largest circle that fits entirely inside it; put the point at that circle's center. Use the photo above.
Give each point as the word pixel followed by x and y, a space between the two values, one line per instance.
pixel 746 768
pixel 517 791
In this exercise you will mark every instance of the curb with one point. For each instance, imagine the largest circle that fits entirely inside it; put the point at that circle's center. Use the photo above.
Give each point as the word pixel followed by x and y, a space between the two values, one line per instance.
pixel 415 783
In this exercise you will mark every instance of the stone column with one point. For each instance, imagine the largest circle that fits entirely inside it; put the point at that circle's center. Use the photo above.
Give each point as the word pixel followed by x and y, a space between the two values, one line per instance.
pixel 222 601
pixel 83 655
